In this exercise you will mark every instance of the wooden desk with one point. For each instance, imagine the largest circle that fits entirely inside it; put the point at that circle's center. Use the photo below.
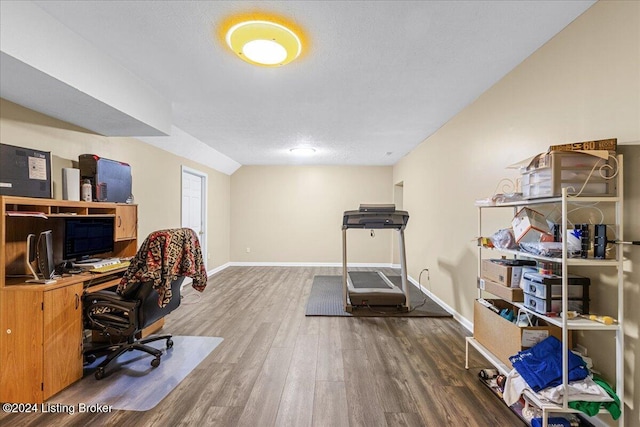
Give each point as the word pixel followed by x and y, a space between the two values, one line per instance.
pixel 41 325
pixel 41 335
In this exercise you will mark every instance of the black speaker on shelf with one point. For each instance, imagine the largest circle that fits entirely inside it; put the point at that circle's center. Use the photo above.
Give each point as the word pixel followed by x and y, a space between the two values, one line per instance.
pixel 600 241
pixel 42 253
pixel 584 239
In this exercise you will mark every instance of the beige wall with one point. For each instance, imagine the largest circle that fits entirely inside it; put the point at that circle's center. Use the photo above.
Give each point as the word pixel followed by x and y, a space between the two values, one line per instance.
pixel 294 213
pixel 156 174
pixel 584 84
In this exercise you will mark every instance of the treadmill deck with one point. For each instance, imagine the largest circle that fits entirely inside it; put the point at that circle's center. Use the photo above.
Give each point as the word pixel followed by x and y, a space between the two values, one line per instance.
pixel 373 288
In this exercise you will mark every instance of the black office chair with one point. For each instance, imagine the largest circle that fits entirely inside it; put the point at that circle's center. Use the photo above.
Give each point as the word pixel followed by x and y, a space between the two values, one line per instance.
pixel 149 290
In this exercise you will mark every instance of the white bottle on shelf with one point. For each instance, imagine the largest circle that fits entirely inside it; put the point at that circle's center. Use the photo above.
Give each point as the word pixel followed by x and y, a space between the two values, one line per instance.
pixel 86 190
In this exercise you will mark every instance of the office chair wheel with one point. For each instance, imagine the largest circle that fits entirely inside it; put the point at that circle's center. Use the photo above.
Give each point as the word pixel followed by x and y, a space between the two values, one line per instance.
pixel 169 343
pixel 99 373
pixel 90 358
pixel 155 362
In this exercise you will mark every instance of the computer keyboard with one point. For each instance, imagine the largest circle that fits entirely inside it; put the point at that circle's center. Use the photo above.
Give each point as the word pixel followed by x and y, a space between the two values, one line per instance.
pixel 96 263
pixel 110 267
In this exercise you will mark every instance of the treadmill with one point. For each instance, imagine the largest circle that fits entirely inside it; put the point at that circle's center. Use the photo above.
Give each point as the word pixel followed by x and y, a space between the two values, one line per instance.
pixel 367 289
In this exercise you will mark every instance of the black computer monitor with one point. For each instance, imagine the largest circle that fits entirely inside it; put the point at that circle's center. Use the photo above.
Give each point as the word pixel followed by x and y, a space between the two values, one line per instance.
pixel 84 237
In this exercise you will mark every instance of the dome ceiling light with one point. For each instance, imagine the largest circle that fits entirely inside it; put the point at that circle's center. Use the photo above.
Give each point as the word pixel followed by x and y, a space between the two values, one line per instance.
pixel 264 43
pixel 302 151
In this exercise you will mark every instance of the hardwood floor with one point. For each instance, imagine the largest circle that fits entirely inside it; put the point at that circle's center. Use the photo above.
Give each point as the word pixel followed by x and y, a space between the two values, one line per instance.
pixel 277 367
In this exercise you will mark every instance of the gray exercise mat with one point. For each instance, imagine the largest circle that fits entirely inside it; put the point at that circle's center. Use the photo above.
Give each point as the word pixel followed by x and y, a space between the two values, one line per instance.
pixel 325 299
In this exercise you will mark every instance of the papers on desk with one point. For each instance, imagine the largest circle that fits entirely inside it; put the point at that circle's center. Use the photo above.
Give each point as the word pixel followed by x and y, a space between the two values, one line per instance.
pixel 27 213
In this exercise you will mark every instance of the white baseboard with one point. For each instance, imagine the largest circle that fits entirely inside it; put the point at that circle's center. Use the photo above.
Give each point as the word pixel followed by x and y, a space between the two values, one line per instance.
pixel 307 264
pixel 464 322
pixel 188 280
pixel 218 269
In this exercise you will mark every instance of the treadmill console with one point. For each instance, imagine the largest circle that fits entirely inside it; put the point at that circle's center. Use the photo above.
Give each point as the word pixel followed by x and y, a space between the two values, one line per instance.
pixel 377 208
pixel 375 216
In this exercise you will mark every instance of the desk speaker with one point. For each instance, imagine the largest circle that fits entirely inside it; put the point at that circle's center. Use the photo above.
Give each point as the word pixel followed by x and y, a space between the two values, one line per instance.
pixel 70 184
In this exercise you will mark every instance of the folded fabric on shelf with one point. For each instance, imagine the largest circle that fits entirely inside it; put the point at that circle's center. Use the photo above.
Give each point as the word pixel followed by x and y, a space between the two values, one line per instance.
pixel 541 365
pixel 514 386
pixel 592 408
pixel 585 390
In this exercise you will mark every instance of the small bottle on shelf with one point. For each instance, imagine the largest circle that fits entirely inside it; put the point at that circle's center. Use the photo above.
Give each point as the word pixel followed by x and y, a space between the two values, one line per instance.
pixel 86 190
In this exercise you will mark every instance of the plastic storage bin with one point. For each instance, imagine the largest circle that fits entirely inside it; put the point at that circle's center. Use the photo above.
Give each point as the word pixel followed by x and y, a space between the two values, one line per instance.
pixel 543 286
pixel 548 173
pixel 554 305
pixel 543 293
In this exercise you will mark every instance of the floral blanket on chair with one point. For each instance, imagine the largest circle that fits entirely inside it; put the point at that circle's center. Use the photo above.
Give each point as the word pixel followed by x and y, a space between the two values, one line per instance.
pixel 164 256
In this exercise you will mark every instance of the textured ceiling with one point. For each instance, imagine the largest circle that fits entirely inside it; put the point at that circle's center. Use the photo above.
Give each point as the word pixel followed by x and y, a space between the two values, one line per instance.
pixel 376 77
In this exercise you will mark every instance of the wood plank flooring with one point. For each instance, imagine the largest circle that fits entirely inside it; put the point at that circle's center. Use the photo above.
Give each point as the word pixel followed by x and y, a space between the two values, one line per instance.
pixel 277 367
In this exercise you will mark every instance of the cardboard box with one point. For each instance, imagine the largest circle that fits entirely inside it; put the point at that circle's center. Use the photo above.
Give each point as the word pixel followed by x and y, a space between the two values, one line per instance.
pixel 505 275
pixel 530 226
pixel 503 338
pixel 504 292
